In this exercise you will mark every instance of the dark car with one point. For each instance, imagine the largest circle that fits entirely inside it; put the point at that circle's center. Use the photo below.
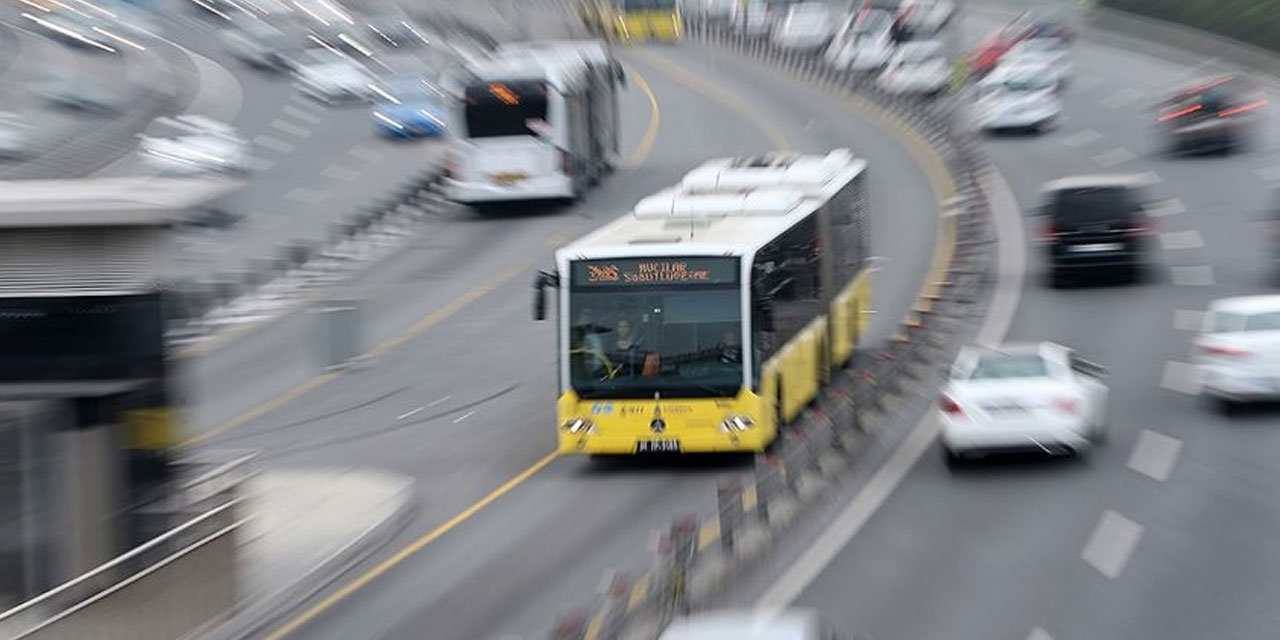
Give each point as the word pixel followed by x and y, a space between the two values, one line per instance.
pixel 1096 225
pixel 1216 114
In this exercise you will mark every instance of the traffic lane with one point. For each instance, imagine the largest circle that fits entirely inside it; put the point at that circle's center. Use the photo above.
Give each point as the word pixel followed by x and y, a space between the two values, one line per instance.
pixel 466 588
pixel 903 206
pixel 451 257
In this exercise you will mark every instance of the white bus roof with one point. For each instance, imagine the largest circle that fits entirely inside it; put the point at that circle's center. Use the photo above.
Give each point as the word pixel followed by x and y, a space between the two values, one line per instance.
pixel 559 63
pixel 807 172
pixel 594 50
pixel 677 221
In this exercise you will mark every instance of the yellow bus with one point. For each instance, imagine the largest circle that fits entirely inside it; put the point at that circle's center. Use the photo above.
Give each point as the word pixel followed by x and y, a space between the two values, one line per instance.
pixel 713 314
pixel 633 20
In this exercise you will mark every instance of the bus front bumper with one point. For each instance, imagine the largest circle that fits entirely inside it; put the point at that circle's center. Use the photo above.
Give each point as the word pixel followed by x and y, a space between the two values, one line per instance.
pixel 710 442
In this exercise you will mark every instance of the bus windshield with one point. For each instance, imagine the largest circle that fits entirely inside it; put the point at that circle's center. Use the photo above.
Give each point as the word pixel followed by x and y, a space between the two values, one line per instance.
pixel 496 109
pixel 634 337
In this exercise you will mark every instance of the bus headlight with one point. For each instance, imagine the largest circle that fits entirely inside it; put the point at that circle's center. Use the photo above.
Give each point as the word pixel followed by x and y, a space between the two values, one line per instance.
pixel 737 424
pixel 579 425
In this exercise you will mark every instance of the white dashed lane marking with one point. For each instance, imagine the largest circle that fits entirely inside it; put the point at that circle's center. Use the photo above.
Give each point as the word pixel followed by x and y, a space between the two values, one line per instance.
pixel 1164 208
pixel 366 154
pixel 274 144
pixel 261 164
pixel 1181 240
pixel 290 128
pixel 1121 98
pixel 1181 377
pixel 1270 174
pixel 1201 276
pixel 300 114
pixel 1188 319
pixel 306 196
pixel 1114 157
pixel 338 172
pixel 1111 544
pixel 1082 138
pixel 1039 634
pixel 1155 454
pixel 1151 178
pixel 464 417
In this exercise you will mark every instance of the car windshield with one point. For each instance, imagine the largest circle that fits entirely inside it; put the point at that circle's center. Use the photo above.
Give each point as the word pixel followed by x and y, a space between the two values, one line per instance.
pixel 629 338
pixel 1007 366
pixel 1234 322
pixel 1094 204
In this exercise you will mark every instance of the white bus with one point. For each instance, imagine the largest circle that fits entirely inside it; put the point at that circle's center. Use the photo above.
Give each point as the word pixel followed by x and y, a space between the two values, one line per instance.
pixel 539 122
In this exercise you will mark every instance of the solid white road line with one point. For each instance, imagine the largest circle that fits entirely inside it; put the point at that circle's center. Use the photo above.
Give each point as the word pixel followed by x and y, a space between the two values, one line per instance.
pixel 1164 208
pixel 1121 98
pixel 1155 454
pixel 464 417
pixel 1114 157
pixel 1039 634
pixel 439 401
pixel 1111 544
pixel 339 172
pixel 290 128
pixel 301 114
pixel 1188 319
pixel 1270 174
pixel 1201 276
pixel 1011 270
pixel 1182 377
pixel 410 414
pixel 1082 138
pixel 274 144
pixel 1180 240
pixel 366 154
pixel 306 196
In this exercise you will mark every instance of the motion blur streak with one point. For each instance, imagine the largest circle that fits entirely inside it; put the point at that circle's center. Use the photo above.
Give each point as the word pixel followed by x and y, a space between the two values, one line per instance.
pixel 400 556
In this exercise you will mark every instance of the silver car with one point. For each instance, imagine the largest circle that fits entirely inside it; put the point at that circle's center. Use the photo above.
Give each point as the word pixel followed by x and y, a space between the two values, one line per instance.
pixel 793 624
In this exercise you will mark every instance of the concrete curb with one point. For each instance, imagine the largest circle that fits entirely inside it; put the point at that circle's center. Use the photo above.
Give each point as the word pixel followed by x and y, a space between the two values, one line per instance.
pixel 270 609
pixel 695 559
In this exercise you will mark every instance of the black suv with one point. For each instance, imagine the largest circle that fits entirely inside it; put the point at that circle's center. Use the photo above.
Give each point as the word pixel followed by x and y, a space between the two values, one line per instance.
pixel 1096 225
pixel 1216 114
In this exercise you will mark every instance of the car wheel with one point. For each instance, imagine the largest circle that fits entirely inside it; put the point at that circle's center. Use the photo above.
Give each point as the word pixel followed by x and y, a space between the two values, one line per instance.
pixel 953 459
pixel 1226 406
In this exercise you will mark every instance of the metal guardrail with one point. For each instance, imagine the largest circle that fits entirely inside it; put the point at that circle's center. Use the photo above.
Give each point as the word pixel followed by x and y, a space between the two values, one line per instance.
pixel 694 558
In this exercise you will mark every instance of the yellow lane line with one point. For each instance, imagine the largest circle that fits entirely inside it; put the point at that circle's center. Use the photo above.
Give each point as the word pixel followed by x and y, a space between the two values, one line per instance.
pixel 639 591
pixel 414 547
pixel 708 533
pixel 733 102
pixel 645 147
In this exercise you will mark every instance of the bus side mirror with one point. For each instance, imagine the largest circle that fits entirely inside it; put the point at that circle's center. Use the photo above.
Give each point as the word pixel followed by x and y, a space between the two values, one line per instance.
pixel 540 284
pixel 764 314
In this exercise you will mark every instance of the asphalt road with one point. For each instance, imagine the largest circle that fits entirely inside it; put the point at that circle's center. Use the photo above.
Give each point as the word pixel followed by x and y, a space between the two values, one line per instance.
pixel 465 403
pixel 1167 531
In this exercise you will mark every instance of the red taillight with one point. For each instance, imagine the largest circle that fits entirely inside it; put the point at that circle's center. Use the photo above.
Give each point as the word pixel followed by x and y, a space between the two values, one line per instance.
pixel 950 406
pixel 1226 113
pixel 1144 228
pixel 1050 232
pixel 1180 112
pixel 1226 352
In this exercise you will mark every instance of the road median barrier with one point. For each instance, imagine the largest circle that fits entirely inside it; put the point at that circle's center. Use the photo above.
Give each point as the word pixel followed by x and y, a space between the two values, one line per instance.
pixel 696 558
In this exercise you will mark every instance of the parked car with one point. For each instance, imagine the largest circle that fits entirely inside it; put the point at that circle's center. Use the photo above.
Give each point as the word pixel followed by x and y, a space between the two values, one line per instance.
pixel 1016 96
pixel 1237 351
pixel 193 144
pixel 806 27
pixel 864 41
pixel 1022 397
pixel 925 17
pixel 917 67
pixel 1096 225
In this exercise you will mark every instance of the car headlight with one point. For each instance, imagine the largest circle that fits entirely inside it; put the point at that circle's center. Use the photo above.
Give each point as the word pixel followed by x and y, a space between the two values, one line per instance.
pixel 737 424
pixel 578 425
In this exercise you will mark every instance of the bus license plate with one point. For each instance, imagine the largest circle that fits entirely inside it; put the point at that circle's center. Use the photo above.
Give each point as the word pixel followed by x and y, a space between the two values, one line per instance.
pixel 669 445
pixel 508 178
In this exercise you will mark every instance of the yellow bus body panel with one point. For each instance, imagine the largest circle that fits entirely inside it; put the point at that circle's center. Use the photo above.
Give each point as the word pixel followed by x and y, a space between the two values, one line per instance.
pixel 695 422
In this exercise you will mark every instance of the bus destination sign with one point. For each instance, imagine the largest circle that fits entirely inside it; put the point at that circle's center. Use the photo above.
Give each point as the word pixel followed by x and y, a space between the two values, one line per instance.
pixel 624 272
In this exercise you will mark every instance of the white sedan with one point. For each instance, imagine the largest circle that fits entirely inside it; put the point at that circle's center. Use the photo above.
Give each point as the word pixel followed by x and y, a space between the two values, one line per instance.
pixel 917 67
pixel 1051 55
pixel 1238 350
pixel 806 27
pixel 1017 97
pixel 926 17
pixel 1029 397
pixel 330 76
pixel 192 144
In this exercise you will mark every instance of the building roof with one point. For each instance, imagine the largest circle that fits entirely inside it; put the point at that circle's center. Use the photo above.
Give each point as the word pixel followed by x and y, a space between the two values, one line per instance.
pixel 105 202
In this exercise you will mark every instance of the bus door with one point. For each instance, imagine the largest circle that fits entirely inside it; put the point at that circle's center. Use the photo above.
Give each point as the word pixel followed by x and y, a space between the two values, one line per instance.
pixel 512 128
